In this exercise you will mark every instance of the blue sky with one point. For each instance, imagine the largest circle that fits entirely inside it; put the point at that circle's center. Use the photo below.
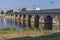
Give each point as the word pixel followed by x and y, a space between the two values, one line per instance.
pixel 43 4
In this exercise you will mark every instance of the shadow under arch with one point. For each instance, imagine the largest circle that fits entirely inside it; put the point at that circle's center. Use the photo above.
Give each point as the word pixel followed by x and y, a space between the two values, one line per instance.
pixel 16 15
pixel 20 16
pixel 48 23
pixel 56 23
pixel 24 16
pixel 29 24
pixel 37 21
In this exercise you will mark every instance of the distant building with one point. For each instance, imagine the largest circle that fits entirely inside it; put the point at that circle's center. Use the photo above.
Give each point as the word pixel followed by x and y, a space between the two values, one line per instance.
pixel 18 10
pixel 37 8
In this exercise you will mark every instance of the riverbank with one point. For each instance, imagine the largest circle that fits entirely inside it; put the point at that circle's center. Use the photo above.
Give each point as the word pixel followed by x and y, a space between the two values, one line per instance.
pixel 7 34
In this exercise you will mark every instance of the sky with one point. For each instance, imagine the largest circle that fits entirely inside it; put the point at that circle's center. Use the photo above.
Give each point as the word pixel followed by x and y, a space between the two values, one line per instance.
pixel 14 4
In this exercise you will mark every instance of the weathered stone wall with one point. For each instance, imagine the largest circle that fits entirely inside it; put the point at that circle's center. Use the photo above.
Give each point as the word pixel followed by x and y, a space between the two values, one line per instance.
pixel 43 20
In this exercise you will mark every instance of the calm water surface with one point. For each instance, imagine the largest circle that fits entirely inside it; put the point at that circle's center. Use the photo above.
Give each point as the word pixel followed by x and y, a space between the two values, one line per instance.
pixel 19 25
pixel 6 22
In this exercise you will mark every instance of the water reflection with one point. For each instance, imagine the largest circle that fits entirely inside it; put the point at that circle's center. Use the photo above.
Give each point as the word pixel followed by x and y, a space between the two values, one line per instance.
pixel 1 21
pixel 32 24
pixel 41 26
pixel 55 23
pixel 20 25
pixel 6 22
pixel 48 23
pixel 26 23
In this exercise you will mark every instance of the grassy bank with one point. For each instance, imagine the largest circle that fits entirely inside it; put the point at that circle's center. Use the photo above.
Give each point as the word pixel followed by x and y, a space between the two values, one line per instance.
pixel 26 30
pixel 10 33
pixel 7 30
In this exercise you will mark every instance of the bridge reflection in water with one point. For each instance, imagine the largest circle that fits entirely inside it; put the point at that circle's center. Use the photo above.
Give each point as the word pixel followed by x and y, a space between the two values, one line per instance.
pixel 45 24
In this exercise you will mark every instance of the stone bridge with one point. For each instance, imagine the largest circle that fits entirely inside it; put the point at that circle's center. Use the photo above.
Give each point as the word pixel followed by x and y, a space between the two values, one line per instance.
pixel 48 19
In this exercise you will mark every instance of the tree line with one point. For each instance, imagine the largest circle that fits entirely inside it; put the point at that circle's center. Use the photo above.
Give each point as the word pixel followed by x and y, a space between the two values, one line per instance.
pixel 11 11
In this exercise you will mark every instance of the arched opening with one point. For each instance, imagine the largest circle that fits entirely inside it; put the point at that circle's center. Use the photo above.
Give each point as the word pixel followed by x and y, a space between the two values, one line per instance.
pixel 55 23
pixel 48 23
pixel 24 20
pixel 41 22
pixel 29 17
pixel 21 19
pixel 29 24
pixel 16 15
pixel 37 21
pixel 20 16
pixel 24 17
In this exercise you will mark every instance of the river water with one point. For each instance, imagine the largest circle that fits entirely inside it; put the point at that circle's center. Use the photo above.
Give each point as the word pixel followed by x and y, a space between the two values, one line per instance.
pixel 6 22
pixel 20 25
pixel 13 23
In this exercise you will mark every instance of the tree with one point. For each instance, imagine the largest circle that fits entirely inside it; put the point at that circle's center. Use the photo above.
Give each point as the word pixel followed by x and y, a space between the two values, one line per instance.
pixel 2 12
pixel 9 11
pixel 23 9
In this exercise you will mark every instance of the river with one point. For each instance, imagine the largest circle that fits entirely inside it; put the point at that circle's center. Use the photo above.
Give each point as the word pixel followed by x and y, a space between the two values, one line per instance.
pixel 20 25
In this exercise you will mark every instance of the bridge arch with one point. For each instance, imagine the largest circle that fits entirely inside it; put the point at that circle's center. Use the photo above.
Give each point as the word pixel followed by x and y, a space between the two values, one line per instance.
pixel 16 15
pixel 20 15
pixel 21 19
pixel 24 17
pixel 56 23
pixel 37 21
pixel 29 18
pixel 48 23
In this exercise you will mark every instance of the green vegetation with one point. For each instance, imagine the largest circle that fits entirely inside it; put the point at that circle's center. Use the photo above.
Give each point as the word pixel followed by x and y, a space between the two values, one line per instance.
pixel 2 12
pixel 31 29
pixel 9 11
pixel 26 30
pixel 35 33
pixel 38 30
pixel 23 10
pixel 7 30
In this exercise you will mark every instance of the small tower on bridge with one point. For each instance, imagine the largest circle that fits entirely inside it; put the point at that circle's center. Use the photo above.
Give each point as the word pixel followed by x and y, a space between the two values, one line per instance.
pixel 36 8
